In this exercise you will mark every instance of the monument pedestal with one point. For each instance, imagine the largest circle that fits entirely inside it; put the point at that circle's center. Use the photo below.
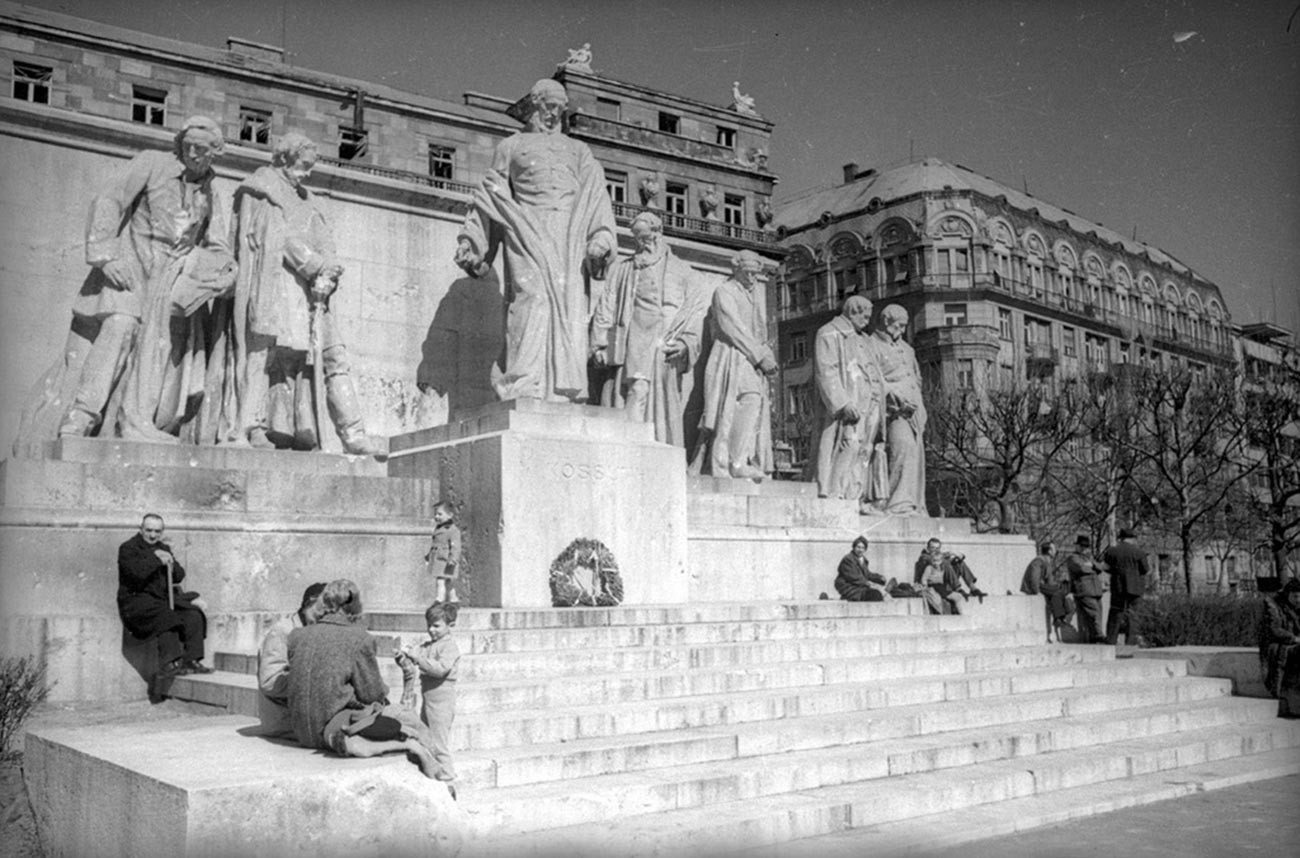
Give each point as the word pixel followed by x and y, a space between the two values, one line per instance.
pixel 529 477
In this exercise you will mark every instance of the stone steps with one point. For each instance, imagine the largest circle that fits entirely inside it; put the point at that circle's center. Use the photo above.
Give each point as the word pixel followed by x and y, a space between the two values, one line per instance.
pixel 644 821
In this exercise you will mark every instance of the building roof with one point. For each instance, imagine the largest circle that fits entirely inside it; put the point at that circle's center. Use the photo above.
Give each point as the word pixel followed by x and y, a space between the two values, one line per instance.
pixel 931 175
pixel 233 62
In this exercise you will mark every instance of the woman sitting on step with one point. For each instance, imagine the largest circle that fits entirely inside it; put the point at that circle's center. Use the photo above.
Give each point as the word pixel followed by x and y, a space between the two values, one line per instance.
pixel 338 700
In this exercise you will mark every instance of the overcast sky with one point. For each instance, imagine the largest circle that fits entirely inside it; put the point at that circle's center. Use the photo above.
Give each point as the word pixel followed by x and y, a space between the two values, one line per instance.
pixel 1177 118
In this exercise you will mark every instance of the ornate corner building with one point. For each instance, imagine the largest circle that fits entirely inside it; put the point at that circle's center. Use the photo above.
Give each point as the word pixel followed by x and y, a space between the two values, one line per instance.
pixel 994 280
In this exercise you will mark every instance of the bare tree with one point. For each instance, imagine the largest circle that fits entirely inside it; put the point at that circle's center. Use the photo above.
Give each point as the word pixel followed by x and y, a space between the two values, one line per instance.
pixel 1190 446
pixel 1273 430
pixel 996 443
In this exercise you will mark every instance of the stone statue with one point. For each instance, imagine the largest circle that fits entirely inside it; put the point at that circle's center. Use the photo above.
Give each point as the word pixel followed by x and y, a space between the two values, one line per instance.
pixel 544 198
pixel 287 351
pixel 904 413
pixel 764 213
pixel 579 58
pixel 850 407
pixel 741 103
pixel 649 190
pixel 737 407
pixel 135 359
pixel 709 202
pixel 648 324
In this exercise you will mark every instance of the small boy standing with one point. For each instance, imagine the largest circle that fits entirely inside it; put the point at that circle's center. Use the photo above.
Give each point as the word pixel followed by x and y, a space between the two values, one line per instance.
pixel 444 554
pixel 435 662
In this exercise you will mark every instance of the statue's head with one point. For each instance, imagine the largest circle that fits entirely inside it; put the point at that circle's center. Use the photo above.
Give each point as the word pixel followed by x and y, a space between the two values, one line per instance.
pixel 547 101
pixel 747 267
pixel 893 320
pixel 197 142
pixel 294 155
pixel 647 229
pixel 857 309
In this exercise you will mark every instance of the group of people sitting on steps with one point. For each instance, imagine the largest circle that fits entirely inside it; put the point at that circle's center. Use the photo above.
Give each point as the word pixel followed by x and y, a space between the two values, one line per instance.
pixel 318 668
pixel 939 577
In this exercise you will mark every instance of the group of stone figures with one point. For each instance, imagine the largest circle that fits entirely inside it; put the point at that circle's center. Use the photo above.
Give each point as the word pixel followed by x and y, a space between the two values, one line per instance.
pixel 198 326
pixel 191 329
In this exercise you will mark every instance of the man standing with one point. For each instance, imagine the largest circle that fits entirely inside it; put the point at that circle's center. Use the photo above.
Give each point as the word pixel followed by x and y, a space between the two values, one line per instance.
pixel 904 413
pixel 850 397
pixel 152 605
pixel 737 407
pixel 648 325
pixel 1127 565
pixel 287 272
pixel 544 199
pixel 141 239
pixel 273 665
pixel 1085 581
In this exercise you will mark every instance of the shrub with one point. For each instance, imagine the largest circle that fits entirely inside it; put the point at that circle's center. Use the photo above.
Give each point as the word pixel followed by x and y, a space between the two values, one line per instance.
pixel 1179 619
pixel 22 689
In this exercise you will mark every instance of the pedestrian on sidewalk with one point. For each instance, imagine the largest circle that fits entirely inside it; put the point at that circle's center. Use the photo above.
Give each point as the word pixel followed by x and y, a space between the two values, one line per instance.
pixel 1127 565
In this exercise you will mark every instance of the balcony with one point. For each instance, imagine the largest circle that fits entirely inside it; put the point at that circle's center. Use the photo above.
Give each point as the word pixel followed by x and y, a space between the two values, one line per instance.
pixel 697 227
pixel 400 175
pixel 799 309
pixel 596 127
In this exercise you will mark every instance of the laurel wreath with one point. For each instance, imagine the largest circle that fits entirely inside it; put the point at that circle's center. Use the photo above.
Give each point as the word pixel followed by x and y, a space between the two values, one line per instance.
pixel 582 561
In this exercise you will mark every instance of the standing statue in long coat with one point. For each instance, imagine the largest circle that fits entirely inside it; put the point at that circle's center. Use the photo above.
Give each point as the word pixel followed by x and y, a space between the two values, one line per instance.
pixel 849 405
pixel 648 325
pixel 544 200
pixel 905 414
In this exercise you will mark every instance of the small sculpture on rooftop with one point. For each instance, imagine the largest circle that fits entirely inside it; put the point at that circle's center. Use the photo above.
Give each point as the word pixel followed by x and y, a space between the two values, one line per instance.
pixel 579 58
pixel 741 103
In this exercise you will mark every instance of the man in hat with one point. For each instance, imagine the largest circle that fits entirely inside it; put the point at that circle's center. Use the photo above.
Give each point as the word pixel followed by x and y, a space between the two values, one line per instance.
pixel 1127 565
pixel 141 236
pixel 544 200
pixel 1085 580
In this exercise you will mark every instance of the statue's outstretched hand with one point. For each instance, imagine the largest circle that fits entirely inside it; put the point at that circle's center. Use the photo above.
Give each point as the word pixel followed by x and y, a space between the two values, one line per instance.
pixel 468 258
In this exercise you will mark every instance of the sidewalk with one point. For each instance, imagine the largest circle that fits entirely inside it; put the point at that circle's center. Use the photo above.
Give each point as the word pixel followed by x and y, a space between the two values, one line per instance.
pixel 1257 819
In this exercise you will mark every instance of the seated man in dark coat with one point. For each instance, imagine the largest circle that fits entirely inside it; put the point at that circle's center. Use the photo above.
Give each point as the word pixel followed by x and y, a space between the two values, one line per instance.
pixel 338 700
pixel 854 581
pixel 152 605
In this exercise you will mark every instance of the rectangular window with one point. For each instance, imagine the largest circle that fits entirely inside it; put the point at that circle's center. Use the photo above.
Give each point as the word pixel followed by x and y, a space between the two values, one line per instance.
pixel 733 210
pixel 148 106
pixel 616 184
pixel 1004 324
pixel 669 123
pixel 32 82
pixel 954 314
pixel 1069 342
pixel 965 374
pixel 675 199
pixel 255 126
pixel 726 137
pixel 1124 355
pixel 442 161
pixel 1095 350
pixel 1211 570
pixel 608 108
pixel 798 346
pixel 353 143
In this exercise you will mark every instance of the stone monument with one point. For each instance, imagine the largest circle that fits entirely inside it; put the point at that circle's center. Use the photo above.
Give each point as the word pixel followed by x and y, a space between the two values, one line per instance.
pixel 544 200
pixel 904 413
pixel 648 325
pixel 850 407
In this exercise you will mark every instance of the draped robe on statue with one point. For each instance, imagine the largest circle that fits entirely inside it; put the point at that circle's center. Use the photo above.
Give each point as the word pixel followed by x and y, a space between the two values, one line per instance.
pixel 902 379
pixel 543 198
pixel 846 375
pixel 650 303
pixel 739 345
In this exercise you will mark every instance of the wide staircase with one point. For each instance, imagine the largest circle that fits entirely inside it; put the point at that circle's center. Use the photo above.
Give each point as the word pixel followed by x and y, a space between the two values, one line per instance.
pixel 806 728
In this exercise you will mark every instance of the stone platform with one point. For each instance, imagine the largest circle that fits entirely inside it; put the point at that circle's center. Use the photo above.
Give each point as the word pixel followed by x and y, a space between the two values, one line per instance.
pixel 252 527
pixel 710 728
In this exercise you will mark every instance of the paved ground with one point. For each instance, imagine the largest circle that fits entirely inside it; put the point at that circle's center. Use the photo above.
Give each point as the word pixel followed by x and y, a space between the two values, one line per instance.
pixel 1255 820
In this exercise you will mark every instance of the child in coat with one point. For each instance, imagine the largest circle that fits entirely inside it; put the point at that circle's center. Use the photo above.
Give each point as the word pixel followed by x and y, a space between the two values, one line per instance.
pixel 435 662
pixel 444 554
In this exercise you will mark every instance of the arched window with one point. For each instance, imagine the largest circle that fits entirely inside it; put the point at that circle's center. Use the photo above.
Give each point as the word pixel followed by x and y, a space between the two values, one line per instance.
pixel 951 255
pixel 1035 253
